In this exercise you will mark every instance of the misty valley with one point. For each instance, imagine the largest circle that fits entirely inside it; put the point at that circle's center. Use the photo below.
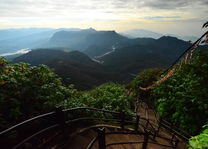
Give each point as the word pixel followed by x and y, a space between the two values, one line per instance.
pixel 88 58
pixel 84 84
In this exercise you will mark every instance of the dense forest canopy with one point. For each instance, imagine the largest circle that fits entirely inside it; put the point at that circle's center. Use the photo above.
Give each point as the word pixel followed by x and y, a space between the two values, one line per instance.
pixel 28 91
pixel 182 99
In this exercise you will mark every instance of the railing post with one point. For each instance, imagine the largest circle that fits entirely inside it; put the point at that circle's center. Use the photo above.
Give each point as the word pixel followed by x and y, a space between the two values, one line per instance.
pixel 122 119
pixel 159 126
pixel 101 138
pixel 147 123
pixel 173 136
pixel 176 144
pixel 61 120
pixel 137 123
pixel 146 137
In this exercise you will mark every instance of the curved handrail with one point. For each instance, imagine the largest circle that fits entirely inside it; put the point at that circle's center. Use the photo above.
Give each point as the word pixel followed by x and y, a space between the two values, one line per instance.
pixel 34 135
pixel 89 108
pixel 50 113
pixel 123 143
pixel 171 128
pixel 89 118
pixel 184 136
pixel 173 143
pixel 90 145
pixel 26 122
pixel 57 122
pixel 164 121
pixel 66 111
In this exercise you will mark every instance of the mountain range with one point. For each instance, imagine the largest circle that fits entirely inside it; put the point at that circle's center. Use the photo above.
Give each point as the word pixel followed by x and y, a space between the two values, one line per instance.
pixel 73 67
pixel 86 70
pixel 12 40
pixel 141 33
pixel 87 58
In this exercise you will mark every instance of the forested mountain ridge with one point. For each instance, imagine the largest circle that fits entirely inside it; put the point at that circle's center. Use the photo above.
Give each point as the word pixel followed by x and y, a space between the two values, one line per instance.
pixel 123 62
pixel 158 53
pixel 141 33
pixel 73 67
pixel 93 43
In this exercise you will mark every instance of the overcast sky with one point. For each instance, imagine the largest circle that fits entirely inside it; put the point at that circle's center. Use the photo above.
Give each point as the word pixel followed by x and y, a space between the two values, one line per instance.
pixel 181 17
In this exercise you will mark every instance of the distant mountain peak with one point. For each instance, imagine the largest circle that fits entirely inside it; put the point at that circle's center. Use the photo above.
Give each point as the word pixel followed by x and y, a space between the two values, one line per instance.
pixel 168 37
pixel 89 30
pixel 140 33
pixel 92 29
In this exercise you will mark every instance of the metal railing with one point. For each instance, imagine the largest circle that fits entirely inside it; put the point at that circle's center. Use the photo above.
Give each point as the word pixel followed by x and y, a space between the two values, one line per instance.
pixel 61 121
pixel 166 125
pixel 102 134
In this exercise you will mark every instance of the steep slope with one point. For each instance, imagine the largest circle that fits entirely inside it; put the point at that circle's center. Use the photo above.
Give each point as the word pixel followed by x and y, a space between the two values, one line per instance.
pixel 71 39
pixel 83 39
pixel 172 46
pixel 123 62
pixel 73 67
pixel 133 59
pixel 93 43
pixel 98 51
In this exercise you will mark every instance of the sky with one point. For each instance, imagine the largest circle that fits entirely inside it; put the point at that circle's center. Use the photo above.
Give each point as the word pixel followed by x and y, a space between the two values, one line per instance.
pixel 181 17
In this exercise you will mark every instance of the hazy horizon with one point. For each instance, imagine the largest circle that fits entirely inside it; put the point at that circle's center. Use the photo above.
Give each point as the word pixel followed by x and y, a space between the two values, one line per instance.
pixel 119 32
pixel 182 17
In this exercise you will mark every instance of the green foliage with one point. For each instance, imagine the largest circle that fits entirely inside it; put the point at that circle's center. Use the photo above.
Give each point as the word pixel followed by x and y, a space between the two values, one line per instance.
pixel 200 141
pixel 109 96
pixel 144 79
pixel 27 91
pixel 182 99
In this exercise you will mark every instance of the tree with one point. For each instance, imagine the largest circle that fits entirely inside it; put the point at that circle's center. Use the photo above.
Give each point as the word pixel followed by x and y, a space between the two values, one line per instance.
pixel 28 91
pixel 184 96
pixel 200 141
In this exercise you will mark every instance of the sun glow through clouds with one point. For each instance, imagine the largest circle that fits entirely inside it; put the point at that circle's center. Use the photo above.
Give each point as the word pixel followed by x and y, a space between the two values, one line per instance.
pixel 119 15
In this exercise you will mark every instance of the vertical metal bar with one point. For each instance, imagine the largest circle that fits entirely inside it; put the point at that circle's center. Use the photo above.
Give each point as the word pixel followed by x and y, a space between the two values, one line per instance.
pixel 173 136
pixel 122 119
pixel 137 123
pixel 159 126
pixel 176 144
pixel 101 138
pixel 147 123
pixel 146 137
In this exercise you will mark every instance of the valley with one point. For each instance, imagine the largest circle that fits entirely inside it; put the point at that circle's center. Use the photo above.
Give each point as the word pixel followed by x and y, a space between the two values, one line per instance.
pixel 101 56
pixel 107 70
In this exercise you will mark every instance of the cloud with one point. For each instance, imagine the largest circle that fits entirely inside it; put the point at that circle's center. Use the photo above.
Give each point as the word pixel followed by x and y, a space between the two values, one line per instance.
pixel 21 8
pixel 161 4
pixel 130 13
pixel 161 17
pixel 166 4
